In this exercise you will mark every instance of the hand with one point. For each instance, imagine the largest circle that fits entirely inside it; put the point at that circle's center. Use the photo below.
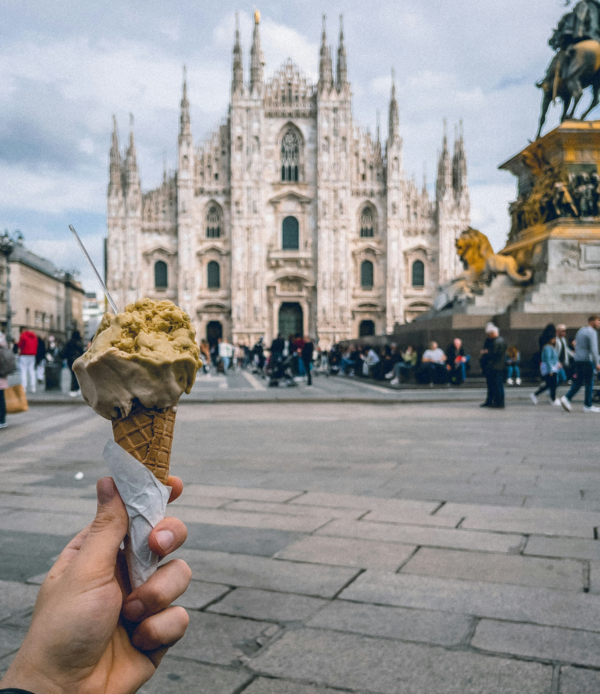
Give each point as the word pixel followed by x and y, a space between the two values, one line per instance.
pixel 89 632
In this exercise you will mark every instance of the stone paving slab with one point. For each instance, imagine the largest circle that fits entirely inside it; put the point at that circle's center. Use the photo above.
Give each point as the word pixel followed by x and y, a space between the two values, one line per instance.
pixel 232 539
pixel 271 574
pixel 411 518
pixel 578 681
pixel 277 686
pixel 267 605
pixel 236 493
pixel 562 574
pixel 494 600
pixel 418 535
pixel 42 503
pixel 346 552
pixel 200 594
pixel 546 643
pixel 239 519
pixel 220 640
pixel 291 509
pixel 441 628
pixel 15 597
pixel 45 522
pixel 176 676
pixel 10 640
pixel 569 548
pixel 389 667
pixel 366 503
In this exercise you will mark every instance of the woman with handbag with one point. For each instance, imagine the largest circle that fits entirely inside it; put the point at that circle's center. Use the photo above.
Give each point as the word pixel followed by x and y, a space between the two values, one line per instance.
pixel 549 368
pixel 7 366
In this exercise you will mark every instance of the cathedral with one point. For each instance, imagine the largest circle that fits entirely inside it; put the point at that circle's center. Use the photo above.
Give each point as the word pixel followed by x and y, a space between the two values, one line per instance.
pixel 290 218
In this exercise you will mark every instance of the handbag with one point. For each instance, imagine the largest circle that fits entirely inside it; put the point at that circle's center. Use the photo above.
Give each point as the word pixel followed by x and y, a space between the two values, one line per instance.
pixel 16 400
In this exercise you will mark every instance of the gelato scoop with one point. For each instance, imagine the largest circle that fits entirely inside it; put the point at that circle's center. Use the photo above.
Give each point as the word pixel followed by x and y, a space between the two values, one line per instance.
pixel 146 357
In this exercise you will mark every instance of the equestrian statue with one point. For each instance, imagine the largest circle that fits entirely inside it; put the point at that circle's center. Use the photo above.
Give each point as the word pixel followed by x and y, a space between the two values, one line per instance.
pixel 576 65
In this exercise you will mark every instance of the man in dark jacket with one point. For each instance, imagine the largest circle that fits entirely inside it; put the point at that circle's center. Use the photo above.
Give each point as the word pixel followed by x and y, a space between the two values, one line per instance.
pixel 493 364
pixel 307 355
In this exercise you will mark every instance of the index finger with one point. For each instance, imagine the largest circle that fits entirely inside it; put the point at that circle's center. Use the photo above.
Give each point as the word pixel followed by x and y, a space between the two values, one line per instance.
pixel 176 488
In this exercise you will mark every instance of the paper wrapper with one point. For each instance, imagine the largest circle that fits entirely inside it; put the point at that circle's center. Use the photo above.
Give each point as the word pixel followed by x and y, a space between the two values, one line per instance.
pixel 146 501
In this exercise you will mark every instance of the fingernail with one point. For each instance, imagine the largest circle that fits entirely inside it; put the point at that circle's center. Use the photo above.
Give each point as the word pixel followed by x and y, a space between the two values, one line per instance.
pixel 106 490
pixel 134 610
pixel 165 539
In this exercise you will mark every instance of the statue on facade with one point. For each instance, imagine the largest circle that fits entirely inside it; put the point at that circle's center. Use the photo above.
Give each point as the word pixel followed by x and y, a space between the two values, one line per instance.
pixel 574 67
pixel 481 266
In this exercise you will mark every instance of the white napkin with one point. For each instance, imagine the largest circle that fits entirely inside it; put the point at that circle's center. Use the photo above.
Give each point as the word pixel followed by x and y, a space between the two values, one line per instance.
pixel 146 501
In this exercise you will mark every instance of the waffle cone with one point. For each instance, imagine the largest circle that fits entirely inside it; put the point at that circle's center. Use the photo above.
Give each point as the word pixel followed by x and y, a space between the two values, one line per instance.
pixel 147 435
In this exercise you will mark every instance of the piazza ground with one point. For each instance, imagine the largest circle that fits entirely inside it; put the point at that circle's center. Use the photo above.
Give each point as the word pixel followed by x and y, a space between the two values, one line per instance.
pixel 375 547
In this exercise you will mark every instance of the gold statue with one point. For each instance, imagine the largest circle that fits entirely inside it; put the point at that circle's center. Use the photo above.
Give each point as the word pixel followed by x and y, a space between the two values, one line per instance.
pixel 480 261
pixel 256 17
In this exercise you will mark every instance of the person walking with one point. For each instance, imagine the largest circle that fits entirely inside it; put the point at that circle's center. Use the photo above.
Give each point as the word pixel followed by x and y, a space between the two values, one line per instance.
pixel 307 356
pixel 549 368
pixel 565 354
pixel 27 346
pixel 72 351
pixel 586 360
pixel 7 366
pixel 40 359
pixel 224 354
pixel 492 363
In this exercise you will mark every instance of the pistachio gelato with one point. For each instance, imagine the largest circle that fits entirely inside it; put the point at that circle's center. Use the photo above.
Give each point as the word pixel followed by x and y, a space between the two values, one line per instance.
pixel 147 355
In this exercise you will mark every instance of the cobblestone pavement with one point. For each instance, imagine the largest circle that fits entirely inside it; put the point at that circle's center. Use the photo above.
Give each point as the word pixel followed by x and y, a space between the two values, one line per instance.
pixel 374 548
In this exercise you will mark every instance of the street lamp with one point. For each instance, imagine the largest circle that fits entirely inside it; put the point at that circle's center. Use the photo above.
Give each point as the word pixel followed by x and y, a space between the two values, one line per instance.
pixel 8 242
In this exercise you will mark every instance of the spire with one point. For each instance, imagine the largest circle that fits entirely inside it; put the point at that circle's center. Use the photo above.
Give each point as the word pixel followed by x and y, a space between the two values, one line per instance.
pixel 114 185
pixel 257 59
pixel 394 118
pixel 238 66
pixel 325 64
pixel 444 176
pixel 377 121
pixel 459 163
pixel 184 119
pixel 424 190
pixel 131 169
pixel 342 63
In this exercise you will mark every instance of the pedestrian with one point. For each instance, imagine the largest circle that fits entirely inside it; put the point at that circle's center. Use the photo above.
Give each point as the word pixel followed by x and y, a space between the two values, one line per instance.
pixel 549 369
pixel 492 364
pixel 40 359
pixel 7 366
pixel 457 362
pixel 307 356
pixel 27 347
pixel 224 354
pixel 565 354
pixel 72 351
pixel 513 359
pixel 205 356
pixel 586 360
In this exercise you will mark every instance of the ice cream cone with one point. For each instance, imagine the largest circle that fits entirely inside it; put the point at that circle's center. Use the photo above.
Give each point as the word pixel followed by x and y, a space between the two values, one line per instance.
pixel 147 434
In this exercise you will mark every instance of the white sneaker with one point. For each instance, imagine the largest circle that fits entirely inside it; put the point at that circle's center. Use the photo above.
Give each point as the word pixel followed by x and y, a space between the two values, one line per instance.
pixel 518 381
pixel 3 426
pixel 566 403
pixel 390 375
pixel 73 393
pixel 510 382
pixel 591 409
pixel 394 382
pixel 557 403
pixel 533 397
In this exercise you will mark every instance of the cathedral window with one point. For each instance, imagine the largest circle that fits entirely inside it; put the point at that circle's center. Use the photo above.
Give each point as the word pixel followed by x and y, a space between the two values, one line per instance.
pixel 213 223
pixel 290 157
pixel 161 275
pixel 366 274
pixel 418 273
pixel 367 227
pixel 290 234
pixel 213 273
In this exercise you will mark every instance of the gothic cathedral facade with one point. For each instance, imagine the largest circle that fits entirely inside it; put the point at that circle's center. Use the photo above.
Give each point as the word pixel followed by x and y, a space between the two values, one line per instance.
pixel 289 218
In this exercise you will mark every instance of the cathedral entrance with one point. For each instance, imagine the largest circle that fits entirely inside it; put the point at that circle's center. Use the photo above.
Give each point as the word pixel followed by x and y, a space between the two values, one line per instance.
pixel 214 331
pixel 366 328
pixel 291 319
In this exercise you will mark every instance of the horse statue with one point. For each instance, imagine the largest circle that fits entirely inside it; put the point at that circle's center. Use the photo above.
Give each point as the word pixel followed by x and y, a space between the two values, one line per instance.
pixel 570 72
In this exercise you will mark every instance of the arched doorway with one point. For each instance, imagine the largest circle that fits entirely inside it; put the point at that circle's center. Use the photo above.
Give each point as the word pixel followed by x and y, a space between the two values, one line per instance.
pixel 291 319
pixel 366 328
pixel 214 331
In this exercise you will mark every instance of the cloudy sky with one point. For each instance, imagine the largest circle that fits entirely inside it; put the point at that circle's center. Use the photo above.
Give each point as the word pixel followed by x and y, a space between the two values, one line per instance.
pixel 66 67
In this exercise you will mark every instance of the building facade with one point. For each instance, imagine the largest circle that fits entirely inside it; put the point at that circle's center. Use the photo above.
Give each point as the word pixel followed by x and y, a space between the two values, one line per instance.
pixel 289 218
pixel 43 298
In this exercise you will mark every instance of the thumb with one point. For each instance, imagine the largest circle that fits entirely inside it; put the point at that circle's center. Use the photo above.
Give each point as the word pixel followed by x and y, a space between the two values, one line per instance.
pixel 108 528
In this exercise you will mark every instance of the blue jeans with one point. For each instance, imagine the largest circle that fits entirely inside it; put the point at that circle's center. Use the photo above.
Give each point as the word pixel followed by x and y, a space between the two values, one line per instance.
pixel 344 363
pixel 226 361
pixel 584 372
pixel 513 369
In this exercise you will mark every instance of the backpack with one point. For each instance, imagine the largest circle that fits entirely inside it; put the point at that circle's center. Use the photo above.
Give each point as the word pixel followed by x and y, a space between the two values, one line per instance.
pixel 8 362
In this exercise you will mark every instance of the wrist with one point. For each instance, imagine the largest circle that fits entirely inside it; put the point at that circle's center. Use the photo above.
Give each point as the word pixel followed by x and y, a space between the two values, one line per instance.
pixel 22 677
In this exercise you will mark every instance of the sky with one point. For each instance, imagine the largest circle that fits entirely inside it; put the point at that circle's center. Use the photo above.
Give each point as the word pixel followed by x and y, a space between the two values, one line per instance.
pixel 66 67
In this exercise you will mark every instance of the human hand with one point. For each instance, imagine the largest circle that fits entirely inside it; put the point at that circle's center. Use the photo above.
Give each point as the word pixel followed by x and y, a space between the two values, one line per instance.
pixel 90 633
